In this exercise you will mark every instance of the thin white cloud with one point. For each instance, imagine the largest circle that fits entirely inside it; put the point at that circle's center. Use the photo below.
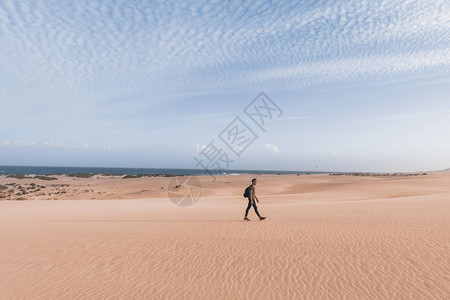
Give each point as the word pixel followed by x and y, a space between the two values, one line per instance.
pixel 199 147
pixel 51 144
pixel 296 118
pixel 344 69
pixel 408 116
pixel 272 148
pixel 16 143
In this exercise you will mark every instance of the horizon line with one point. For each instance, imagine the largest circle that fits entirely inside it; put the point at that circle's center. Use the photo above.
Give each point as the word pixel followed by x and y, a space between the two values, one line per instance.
pixel 222 170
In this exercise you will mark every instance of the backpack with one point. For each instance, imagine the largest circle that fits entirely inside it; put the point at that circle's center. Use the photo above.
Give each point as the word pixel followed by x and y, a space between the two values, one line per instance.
pixel 247 192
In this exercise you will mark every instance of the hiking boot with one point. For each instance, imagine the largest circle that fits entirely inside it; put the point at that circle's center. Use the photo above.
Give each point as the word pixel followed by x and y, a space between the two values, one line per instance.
pixel 246 219
pixel 261 218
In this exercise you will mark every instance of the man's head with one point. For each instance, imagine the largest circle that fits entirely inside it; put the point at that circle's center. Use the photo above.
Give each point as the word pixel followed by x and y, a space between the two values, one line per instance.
pixel 254 181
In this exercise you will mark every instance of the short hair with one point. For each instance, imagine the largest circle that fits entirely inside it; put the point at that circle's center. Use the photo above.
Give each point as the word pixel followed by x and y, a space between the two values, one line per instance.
pixel 253 180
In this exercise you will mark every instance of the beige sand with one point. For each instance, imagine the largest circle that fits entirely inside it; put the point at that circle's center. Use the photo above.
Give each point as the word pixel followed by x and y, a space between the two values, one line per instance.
pixel 325 237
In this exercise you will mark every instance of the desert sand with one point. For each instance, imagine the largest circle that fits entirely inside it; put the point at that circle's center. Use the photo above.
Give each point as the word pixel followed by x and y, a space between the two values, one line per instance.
pixel 325 237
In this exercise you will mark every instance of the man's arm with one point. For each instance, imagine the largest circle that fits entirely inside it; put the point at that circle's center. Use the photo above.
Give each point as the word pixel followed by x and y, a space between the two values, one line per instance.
pixel 253 195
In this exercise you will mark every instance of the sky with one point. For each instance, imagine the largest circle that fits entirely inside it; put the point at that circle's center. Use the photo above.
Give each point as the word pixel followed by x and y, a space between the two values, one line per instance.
pixel 361 85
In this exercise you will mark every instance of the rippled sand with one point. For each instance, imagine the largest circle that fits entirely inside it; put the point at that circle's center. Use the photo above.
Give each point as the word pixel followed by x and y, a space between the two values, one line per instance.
pixel 325 237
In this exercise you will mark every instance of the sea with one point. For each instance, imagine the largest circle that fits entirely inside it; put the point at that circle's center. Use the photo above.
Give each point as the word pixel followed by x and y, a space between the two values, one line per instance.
pixel 52 170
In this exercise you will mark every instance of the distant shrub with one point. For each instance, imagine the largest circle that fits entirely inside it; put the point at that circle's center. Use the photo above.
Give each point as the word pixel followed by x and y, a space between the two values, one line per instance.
pixel 81 175
pixel 150 175
pixel 166 175
pixel 378 174
pixel 17 176
pixel 43 177
pixel 111 174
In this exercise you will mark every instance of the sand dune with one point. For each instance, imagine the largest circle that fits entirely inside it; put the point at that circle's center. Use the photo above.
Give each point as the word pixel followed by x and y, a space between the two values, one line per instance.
pixel 326 237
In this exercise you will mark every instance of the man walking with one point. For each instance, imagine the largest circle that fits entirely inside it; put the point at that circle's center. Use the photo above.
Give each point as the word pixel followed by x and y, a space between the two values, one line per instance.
pixel 251 201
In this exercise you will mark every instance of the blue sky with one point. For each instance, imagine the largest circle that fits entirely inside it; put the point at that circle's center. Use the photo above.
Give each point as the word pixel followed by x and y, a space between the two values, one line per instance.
pixel 364 85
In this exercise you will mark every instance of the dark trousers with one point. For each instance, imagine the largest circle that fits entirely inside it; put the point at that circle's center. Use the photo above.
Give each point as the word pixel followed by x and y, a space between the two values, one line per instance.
pixel 250 205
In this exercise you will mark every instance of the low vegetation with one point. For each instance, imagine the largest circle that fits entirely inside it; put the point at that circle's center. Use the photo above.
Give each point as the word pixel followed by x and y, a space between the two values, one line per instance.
pixel 150 175
pixel 111 174
pixel 15 191
pixel 18 176
pixel 378 174
pixel 23 176
pixel 43 177
pixel 81 175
